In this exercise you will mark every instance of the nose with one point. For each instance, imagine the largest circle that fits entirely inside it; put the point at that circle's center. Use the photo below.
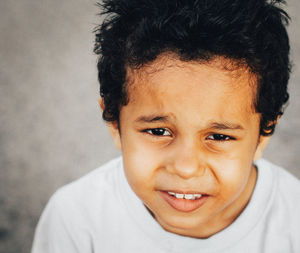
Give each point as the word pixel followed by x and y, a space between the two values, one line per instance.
pixel 187 161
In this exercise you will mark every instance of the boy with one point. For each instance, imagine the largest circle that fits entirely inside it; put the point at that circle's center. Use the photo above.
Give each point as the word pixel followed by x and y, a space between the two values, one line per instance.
pixel 192 91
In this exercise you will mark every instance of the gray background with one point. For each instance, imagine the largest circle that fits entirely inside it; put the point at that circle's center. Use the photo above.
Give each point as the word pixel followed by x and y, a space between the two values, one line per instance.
pixel 51 130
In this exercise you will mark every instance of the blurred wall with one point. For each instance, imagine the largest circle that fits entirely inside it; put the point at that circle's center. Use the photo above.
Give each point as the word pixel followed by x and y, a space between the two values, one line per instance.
pixel 51 130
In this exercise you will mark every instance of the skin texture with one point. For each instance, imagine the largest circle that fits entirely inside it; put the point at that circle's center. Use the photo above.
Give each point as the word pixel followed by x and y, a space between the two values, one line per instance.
pixel 190 127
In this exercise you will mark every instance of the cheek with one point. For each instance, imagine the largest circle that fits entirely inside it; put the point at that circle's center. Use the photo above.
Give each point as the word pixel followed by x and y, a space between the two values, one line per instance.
pixel 142 155
pixel 232 176
pixel 141 164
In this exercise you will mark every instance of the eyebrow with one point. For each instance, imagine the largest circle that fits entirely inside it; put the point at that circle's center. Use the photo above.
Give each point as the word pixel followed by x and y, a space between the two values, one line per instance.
pixel 214 125
pixel 225 126
pixel 152 119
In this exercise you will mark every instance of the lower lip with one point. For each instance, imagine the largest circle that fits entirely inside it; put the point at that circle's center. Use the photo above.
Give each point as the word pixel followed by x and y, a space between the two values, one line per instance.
pixel 183 205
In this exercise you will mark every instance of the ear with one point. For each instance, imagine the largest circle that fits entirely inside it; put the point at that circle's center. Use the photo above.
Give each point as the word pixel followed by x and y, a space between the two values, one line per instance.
pixel 113 128
pixel 101 103
pixel 262 144
pixel 115 134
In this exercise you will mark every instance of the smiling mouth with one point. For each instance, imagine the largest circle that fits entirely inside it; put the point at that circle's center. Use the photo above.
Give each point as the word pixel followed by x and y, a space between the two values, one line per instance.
pixel 184 202
pixel 185 196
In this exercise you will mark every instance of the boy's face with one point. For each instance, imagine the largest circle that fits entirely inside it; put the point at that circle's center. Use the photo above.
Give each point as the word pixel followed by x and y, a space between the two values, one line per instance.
pixel 190 128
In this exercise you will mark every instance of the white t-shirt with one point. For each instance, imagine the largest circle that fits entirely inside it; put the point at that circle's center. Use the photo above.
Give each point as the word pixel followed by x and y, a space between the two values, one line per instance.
pixel 100 213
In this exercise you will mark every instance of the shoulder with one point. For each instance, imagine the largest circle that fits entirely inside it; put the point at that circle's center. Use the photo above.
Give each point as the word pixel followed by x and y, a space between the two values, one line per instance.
pixel 286 186
pixel 283 216
pixel 97 180
pixel 75 210
pixel 86 195
pixel 288 193
pixel 286 183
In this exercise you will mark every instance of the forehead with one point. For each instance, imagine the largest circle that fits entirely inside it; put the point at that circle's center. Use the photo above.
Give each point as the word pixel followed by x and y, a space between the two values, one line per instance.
pixel 229 77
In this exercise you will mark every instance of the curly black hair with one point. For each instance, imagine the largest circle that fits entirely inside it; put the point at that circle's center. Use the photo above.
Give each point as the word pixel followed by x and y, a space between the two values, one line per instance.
pixel 136 32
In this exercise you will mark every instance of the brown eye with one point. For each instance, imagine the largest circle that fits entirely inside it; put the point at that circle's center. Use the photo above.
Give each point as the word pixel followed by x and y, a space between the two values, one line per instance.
pixel 158 132
pixel 219 137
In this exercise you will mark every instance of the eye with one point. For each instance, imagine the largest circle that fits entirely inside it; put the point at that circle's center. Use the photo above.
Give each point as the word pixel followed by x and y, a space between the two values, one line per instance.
pixel 219 137
pixel 158 132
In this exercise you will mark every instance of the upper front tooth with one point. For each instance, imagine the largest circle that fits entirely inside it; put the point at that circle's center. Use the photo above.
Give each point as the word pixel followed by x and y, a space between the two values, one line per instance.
pixel 189 196
pixel 179 195
pixel 186 196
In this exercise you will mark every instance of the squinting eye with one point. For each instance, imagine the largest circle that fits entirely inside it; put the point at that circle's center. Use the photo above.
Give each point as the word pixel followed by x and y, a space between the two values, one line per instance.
pixel 158 132
pixel 219 137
